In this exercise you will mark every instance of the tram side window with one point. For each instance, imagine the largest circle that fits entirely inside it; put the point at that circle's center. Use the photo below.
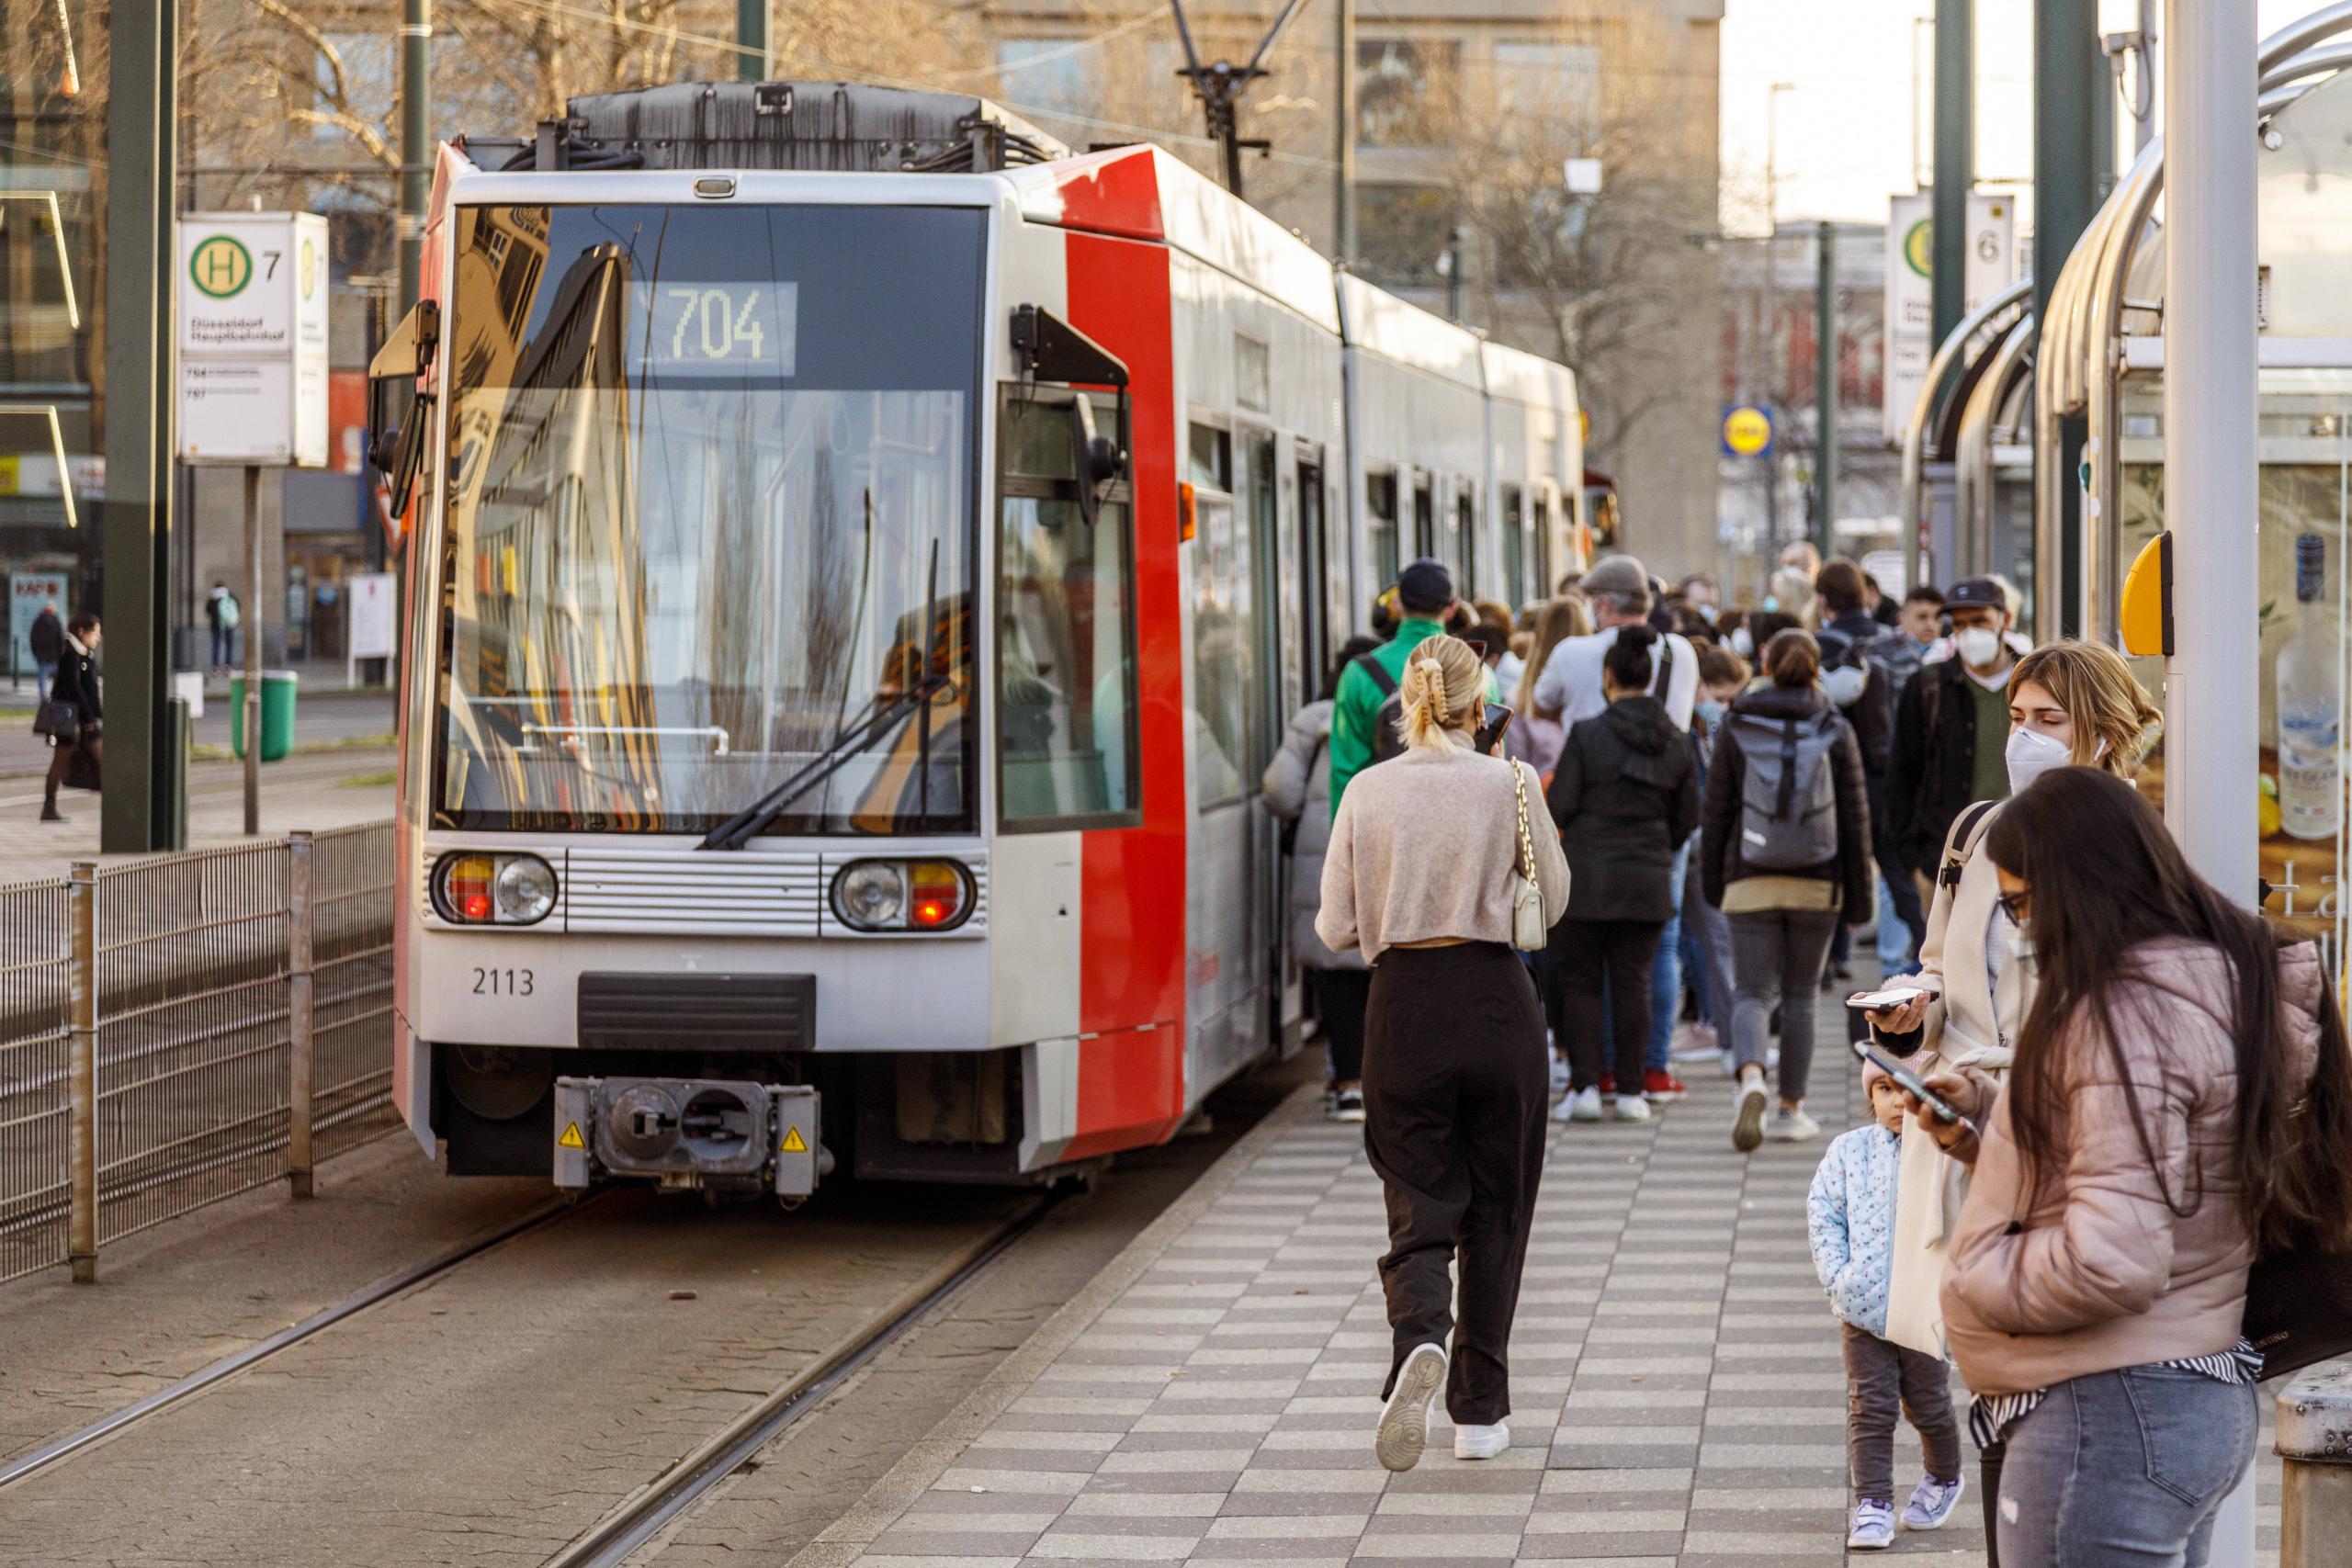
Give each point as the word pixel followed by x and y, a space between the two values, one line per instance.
pixel 1514 547
pixel 1066 674
pixel 1380 500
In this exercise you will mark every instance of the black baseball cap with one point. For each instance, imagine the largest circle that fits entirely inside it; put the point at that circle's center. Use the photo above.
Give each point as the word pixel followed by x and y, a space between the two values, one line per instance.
pixel 1425 587
pixel 1977 591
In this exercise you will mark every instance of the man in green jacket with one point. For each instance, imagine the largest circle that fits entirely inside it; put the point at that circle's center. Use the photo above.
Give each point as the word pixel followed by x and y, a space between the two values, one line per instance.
pixel 1425 595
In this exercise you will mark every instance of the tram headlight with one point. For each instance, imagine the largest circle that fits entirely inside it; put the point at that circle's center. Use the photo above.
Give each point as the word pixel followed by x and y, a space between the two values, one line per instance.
pixel 471 888
pixel 903 896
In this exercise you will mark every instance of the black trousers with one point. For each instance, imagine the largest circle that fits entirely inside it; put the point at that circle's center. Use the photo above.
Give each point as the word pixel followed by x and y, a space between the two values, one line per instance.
pixel 1341 996
pixel 1623 951
pixel 1455 1081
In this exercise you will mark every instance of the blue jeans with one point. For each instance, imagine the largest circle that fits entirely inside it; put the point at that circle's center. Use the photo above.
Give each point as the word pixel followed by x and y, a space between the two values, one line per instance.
pixel 1665 974
pixel 44 676
pixel 1893 936
pixel 2124 1470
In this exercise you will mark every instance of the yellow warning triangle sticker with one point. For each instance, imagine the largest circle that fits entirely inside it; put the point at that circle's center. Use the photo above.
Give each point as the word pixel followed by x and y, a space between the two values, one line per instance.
pixel 571 1139
pixel 792 1144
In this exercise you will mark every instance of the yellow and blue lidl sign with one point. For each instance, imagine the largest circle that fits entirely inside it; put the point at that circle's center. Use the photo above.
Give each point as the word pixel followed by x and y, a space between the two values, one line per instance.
pixel 1748 431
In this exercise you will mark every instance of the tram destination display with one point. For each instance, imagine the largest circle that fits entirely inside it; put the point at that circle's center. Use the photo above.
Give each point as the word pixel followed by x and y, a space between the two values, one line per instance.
pixel 723 328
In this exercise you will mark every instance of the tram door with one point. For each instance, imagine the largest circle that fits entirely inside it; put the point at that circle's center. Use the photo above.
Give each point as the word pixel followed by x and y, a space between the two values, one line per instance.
pixel 1273 528
pixel 1311 593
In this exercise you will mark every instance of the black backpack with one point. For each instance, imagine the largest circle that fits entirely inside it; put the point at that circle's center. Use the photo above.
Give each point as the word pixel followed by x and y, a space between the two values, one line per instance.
pixel 1388 724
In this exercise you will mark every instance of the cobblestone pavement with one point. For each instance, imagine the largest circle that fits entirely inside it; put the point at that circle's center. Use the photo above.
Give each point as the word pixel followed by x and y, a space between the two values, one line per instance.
pixel 1680 1396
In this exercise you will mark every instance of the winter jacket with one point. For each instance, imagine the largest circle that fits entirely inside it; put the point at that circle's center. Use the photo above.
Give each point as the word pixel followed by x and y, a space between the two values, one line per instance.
pixel 77 683
pixel 1719 852
pixel 1849 1217
pixel 45 637
pixel 1972 1020
pixel 1297 787
pixel 1360 696
pixel 1931 771
pixel 1625 796
pixel 2095 1270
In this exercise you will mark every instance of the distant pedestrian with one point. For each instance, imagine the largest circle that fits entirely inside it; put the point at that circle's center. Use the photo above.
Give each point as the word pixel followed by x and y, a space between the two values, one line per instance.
pixel 1420 877
pixel 1850 1218
pixel 2179 1104
pixel 45 640
pixel 1786 855
pixel 1706 936
pixel 1297 787
pixel 223 614
pixel 1536 732
pixel 78 684
pixel 1858 683
pixel 1625 796
pixel 1949 725
pixel 1423 597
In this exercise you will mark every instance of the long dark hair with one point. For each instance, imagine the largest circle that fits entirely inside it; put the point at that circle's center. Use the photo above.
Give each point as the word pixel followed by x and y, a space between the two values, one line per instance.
pixel 1628 660
pixel 2105 877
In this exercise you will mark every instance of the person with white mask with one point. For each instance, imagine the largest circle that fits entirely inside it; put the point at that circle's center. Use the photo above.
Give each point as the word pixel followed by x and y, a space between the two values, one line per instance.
pixel 2067 702
pixel 1950 725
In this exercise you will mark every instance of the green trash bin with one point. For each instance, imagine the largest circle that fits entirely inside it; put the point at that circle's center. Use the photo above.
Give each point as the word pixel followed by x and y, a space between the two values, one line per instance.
pixel 276 714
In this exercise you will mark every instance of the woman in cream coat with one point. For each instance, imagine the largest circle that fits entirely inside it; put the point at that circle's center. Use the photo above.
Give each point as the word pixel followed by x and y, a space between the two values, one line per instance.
pixel 2069 702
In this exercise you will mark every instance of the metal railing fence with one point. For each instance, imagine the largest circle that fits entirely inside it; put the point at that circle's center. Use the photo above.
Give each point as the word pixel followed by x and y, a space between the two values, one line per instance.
pixel 178 1030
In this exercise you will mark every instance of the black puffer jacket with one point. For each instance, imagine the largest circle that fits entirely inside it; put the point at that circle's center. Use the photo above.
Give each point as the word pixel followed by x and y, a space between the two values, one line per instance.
pixel 1719 857
pixel 1625 795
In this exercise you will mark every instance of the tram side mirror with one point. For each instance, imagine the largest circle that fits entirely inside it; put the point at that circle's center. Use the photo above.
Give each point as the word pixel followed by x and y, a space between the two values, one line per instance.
pixel 1101 461
pixel 397 452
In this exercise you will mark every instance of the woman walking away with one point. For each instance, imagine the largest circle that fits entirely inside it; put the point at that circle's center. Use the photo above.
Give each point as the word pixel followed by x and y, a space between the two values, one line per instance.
pixel 1722 676
pixel 2181 1100
pixel 1535 737
pixel 2068 702
pixel 76 682
pixel 1786 848
pixel 1419 876
pixel 1625 796
pixel 1297 787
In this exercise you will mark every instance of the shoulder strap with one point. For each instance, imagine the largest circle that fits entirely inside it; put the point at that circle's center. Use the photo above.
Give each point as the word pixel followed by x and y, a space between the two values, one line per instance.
pixel 1965 831
pixel 1665 667
pixel 1379 673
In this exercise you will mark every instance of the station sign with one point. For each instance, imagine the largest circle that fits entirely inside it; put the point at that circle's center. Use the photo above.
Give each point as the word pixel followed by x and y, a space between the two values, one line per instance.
pixel 1910 288
pixel 1746 431
pixel 251 296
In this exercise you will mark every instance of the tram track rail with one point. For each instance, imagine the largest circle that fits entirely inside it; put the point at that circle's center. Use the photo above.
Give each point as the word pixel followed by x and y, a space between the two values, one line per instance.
pixel 398 1283
pixel 645 1513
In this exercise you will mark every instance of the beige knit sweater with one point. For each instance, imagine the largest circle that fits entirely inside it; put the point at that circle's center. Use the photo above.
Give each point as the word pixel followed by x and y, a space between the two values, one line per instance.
pixel 1423 847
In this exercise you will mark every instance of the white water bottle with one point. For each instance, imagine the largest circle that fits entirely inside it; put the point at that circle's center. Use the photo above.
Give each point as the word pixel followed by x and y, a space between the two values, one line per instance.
pixel 2310 703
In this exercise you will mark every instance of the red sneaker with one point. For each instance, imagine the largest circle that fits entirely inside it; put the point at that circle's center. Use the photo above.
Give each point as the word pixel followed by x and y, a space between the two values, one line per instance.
pixel 1662 1087
pixel 1608 1086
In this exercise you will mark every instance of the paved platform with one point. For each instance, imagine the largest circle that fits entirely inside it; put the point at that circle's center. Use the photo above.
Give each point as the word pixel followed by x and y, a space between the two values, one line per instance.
pixel 1680 1396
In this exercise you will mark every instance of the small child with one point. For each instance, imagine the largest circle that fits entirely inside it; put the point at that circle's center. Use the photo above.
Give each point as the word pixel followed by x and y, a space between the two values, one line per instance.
pixel 1851 1215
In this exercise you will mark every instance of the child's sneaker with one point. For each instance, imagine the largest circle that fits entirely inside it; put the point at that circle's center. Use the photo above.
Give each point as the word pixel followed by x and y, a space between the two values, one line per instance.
pixel 1874 1527
pixel 1932 1502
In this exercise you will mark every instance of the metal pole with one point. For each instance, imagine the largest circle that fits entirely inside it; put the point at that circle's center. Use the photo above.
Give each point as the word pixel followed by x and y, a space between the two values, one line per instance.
pixel 135 531
pixel 1345 196
pixel 1453 274
pixel 1955 162
pixel 2212 680
pixel 251 628
pixel 1824 396
pixel 82 1068
pixel 416 141
pixel 751 38
pixel 2144 120
pixel 2070 76
pixel 302 1065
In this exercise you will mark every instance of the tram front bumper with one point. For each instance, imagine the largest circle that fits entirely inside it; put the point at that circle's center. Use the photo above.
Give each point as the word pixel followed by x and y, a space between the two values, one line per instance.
pixel 714 1135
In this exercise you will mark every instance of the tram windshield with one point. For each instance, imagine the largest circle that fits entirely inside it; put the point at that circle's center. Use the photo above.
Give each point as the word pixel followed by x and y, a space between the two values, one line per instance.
pixel 709 517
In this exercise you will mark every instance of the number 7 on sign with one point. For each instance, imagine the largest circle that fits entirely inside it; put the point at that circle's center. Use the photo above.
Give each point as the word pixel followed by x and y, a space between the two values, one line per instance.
pixel 689 297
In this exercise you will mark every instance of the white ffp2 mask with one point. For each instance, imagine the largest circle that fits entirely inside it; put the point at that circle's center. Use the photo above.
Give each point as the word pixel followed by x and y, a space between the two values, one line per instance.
pixel 1977 646
pixel 2029 754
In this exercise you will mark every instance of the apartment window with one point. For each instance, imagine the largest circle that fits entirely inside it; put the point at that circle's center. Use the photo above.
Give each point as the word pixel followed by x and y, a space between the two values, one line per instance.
pixel 1403 89
pixel 1401 231
pixel 1558 80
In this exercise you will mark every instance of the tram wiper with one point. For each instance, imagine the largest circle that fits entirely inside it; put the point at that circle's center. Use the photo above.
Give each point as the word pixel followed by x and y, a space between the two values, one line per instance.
pixel 880 716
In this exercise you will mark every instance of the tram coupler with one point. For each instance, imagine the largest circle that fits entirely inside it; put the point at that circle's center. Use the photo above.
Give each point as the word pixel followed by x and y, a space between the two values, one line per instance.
pixel 710 1134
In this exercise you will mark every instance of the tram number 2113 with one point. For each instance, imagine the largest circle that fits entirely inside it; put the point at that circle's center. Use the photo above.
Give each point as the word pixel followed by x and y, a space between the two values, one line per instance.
pixel 723 327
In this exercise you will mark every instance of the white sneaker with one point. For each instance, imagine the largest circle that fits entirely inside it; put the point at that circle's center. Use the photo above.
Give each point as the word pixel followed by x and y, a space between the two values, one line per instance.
pixel 1748 1119
pixel 1559 1075
pixel 1404 1430
pixel 1348 1105
pixel 1932 1503
pixel 1631 1108
pixel 1789 1126
pixel 1873 1527
pixel 1582 1106
pixel 1475 1441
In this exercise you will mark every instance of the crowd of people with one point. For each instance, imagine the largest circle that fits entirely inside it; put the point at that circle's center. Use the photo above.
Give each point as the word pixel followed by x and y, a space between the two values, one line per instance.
pixel 2098 1088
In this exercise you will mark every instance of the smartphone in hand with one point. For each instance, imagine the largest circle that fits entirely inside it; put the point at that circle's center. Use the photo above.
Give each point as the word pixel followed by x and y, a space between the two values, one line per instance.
pixel 1876 1001
pixel 1908 1081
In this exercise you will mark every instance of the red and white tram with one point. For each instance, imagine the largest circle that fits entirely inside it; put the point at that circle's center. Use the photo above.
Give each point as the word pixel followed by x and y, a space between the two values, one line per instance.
pixel 863 559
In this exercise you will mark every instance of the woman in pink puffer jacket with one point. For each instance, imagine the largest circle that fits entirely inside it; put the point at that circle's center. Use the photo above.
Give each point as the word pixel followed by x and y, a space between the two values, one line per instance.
pixel 2180 1099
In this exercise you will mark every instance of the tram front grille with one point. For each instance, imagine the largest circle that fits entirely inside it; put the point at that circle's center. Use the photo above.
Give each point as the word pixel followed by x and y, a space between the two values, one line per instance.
pixel 762 1013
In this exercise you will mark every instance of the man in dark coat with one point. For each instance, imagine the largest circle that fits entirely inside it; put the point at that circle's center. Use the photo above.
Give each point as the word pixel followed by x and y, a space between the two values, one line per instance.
pixel 1951 726
pixel 45 637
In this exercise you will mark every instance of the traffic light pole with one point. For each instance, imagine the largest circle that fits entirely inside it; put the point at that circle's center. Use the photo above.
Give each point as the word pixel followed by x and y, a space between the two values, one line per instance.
pixel 1825 398
pixel 2070 77
pixel 752 40
pixel 1955 172
pixel 416 141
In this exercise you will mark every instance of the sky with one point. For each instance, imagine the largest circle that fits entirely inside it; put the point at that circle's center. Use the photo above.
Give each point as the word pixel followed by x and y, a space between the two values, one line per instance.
pixel 1846 128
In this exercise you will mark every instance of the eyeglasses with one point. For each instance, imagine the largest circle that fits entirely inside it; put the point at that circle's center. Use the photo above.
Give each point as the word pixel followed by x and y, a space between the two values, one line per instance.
pixel 2017 906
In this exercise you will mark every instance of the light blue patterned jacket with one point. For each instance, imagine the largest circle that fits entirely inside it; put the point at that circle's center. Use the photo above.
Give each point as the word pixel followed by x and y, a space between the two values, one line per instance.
pixel 1850 1215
